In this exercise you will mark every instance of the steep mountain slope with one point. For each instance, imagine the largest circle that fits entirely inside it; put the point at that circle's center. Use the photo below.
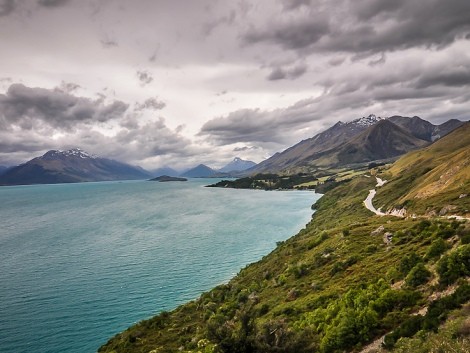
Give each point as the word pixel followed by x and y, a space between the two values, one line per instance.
pixel 70 166
pixel 339 147
pixel 344 281
pixel 237 165
pixel 309 149
pixel 423 129
pixel 200 171
pixel 419 180
pixel 381 141
pixel 418 127
pixel 448 127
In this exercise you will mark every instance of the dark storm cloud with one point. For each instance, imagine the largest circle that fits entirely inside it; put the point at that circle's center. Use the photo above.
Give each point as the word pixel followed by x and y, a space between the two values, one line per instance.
pixel 151 103
pixel 25 105
pixel 144 77
pixel 255 125
pixel 52 3
pixel 290 35
pixel 7 7
pixel 368 26
pixel 449 76
pixel 292 73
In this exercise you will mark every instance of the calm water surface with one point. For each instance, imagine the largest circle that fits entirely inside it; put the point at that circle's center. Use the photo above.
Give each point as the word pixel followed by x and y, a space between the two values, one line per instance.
pixel 81 262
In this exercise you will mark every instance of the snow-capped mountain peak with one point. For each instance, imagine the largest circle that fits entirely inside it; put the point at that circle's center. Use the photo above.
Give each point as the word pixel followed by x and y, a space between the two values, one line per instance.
pixel 367 121
pixel 237 164
pixel 74 152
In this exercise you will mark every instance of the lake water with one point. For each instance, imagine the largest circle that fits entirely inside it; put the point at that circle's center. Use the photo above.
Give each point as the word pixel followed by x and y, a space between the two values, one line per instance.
pixel 81 262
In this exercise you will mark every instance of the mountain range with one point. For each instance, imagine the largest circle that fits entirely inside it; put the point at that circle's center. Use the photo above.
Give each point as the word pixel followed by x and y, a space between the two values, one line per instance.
pixel 344 145
pixel 358 142
pixel 233 168
pixel 70 166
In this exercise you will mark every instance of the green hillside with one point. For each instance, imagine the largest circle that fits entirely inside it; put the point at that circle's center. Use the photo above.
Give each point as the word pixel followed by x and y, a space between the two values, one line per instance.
pixel 349 279
pixel 432 180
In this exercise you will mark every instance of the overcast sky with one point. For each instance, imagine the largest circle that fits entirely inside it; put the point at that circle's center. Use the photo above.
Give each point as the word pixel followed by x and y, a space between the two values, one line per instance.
pixel 181 82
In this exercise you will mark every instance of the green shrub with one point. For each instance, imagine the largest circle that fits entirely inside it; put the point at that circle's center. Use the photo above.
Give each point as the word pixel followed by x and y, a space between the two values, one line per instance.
pixel 454 265
pixel 437 248
pixel 418 275
pixel 408 262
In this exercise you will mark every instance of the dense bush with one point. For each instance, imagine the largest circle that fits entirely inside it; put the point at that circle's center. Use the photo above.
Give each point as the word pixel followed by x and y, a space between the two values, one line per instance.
pixel 355 317
pixel 408 262
pixel 454 265
pixel 437 248
pixel 437 312
pixel 418 275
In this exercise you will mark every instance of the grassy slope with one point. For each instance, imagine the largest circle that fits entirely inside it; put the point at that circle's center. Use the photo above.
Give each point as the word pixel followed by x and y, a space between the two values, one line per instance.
pixel 432 178
pixel 331 270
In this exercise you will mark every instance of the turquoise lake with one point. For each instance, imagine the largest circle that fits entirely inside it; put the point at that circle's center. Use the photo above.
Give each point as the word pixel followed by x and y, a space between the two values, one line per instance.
pixel 82 262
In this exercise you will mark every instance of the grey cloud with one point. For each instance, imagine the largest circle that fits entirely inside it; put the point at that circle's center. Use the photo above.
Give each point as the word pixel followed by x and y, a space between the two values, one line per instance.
pixel 52 3
pixel 154 55
pixel 378 61
pixel 151 103
pixel 258 126
pixel 144 77
pixel 209 27
pixel 291 73
pixel 367 26
pixel 294 4
pixel 245 148
pixel 25 105
pixel 296 34
pixel 277 74
pixel 108 43
pixel 367 9
pixel 7 7
pixel 449 76
pixel 336 61
pixel 68 87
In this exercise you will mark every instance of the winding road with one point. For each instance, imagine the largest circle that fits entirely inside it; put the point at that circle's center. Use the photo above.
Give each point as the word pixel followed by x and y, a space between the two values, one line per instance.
pixel 370 197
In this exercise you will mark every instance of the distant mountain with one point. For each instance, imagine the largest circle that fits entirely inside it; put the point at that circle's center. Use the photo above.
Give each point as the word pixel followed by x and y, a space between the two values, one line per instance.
pixel 201 171
pixel 237 165
pixel 70 166
pixel 164 171
pixel 355 142
pixel 3 169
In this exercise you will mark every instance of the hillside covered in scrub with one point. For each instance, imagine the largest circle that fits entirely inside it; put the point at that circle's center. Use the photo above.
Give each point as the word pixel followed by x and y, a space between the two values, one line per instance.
pixel 350 280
